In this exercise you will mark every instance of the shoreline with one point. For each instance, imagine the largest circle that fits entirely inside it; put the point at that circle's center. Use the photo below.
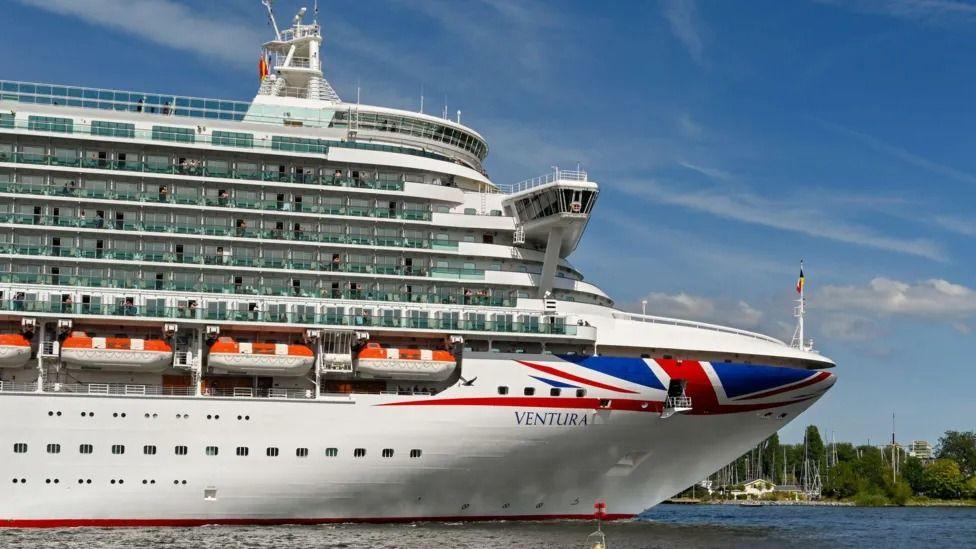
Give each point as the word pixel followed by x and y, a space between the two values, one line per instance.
pixel 816 503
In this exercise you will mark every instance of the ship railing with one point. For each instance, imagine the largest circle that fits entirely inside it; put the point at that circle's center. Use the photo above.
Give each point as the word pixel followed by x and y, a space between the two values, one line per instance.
pixel 251 392
pixel 697 325
pixel 678 402
pixel 15 387
pixel 117 100
pixel 557 175
pixel 118 389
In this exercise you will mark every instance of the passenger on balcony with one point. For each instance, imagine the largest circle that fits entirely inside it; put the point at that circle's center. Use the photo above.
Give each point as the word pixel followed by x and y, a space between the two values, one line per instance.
pixel 241 227
pixel 99 219
pixel 140 103
pixel 19 299
pixel 222 196
pixel 69 188
pixel 66 304
pixel 163 193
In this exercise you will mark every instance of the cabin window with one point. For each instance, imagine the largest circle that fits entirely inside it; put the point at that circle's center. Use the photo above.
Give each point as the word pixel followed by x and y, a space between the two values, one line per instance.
pixel 180 450
pixel 555 391
pixel 118 449
pixel 580 393
pixel 271 452
pixel 149 450
pixel 212 450
pixel 359 452
pixel 388 452
pixel 20 448
pixel 243 451
pixel 529 391
pixel 54 448
pixel 331 452
pixel 85 449
pixel 502 390
pixel 416 453
pixel 301 452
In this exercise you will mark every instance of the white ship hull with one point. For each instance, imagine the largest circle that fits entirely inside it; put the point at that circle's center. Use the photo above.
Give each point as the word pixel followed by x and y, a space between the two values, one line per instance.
pixel 484 456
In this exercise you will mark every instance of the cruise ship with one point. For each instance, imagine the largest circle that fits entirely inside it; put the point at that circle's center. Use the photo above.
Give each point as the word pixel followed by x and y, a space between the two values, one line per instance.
pixel 305 310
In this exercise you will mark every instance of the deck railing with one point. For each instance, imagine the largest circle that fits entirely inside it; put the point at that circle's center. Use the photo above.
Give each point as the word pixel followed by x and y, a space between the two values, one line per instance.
pixel 697 325
pixel 557 175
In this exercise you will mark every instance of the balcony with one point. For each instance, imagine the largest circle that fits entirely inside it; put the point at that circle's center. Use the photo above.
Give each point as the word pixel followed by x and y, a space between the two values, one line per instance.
pixel 215 314
pixel 79 281
pixel 226 231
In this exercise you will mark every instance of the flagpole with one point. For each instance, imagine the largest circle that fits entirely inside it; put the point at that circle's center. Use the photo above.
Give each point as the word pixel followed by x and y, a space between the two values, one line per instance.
pixel 802 308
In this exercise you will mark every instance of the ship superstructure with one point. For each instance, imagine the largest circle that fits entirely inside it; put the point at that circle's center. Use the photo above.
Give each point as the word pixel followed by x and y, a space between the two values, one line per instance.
pixel 300 309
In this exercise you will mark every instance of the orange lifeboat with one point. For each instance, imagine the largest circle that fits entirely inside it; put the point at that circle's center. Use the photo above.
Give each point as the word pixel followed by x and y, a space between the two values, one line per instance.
pixel 260 358
pixel 413 364
pixel 125 354
pixel 15 350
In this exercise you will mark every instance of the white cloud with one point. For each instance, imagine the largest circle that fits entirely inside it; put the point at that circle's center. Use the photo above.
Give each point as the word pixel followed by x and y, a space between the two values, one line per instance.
pixel 934 298
pixel 682 15
pixel 966 227
pixel 784 215
pixel 929 11
pixel 707 171
pixel 170 24
pixel 690 307
pixel 899 153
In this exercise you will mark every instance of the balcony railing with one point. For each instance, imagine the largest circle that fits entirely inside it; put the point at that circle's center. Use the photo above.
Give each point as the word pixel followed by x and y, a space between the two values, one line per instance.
pixel 318 319
pixel 226 231
pixel 201 171
pixel 79 281
pixel 158 197
pixel 557 175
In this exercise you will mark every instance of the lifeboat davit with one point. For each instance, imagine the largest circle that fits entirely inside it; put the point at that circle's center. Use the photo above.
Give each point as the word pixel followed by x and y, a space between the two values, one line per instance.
pixel 266 359
pixel 413 364
pixel 122 354
pixel 15 350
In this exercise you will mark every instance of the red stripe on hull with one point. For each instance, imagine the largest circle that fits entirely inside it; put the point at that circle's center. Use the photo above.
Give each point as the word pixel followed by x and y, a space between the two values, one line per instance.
pixel 130 523
pixel 541 402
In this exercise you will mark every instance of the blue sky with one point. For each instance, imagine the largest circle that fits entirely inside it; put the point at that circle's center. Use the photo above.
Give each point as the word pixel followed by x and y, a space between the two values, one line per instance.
pixel 731 139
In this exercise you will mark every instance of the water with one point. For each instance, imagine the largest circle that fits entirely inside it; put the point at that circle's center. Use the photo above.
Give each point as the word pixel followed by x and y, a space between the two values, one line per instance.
pixel 666 527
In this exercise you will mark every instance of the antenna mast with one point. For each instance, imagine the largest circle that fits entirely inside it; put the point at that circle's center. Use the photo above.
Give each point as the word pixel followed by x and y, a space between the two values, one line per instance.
pixel 271 17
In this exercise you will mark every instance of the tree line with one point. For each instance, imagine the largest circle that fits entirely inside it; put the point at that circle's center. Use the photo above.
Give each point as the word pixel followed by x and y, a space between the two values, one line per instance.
pixel 865 474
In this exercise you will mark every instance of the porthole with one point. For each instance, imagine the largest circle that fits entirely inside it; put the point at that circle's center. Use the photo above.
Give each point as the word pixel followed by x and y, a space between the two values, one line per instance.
pixel 212 450
pixel 271 452
pixel 180 450
pixel 54 448
pixel 538 505
pixel 20 448
pixel 149 450
pixel 301 452
pixel 529 391
pixel 502 390
pixel 243 451
pixel 555 391
pixel 359 452
pixel 387 452
pixel 465 506
pixel 118 449
pixel 331 452
pixel 416 453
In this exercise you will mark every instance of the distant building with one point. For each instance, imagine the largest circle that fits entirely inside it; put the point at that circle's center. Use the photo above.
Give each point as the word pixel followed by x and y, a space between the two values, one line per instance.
pixel 920 449
pixel 754 489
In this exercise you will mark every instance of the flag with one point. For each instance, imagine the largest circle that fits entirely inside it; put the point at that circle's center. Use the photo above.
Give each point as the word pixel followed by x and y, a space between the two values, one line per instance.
pixel 263 68
pixel 799 282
